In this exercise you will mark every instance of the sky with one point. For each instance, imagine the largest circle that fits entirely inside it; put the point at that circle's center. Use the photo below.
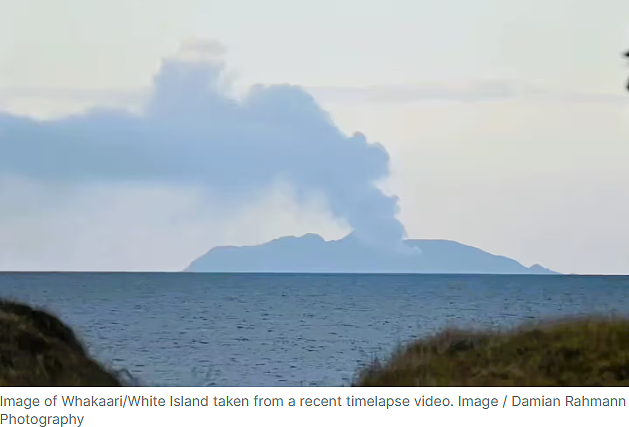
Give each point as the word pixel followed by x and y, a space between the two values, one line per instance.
pixel 502 124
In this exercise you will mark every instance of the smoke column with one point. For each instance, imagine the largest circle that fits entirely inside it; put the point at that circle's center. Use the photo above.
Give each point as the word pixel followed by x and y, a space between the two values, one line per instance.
pixel 192 131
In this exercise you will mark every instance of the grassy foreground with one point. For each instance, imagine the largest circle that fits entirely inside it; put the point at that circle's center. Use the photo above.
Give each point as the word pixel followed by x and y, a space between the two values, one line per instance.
pixel 579 352
pixel 37 349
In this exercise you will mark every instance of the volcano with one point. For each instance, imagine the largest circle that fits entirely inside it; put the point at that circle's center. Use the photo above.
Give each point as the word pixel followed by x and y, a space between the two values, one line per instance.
pixel 310 253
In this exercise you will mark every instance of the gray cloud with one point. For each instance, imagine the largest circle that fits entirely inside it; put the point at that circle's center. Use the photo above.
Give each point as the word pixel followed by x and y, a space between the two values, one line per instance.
pixel 190 132
pixel 212 48
pixel 470 91
pixel 454 91
pixel 461 91
pixel 96 96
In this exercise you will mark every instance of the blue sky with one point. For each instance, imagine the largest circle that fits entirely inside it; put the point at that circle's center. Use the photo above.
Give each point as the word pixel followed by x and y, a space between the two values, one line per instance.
pixel 505 122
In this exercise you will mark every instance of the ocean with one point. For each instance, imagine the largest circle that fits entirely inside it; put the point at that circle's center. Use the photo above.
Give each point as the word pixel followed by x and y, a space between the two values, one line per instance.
pixel 179 329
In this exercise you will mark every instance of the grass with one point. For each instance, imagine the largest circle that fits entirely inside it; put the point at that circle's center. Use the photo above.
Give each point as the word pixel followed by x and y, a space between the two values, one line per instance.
pixel 578 352
pixel 37 349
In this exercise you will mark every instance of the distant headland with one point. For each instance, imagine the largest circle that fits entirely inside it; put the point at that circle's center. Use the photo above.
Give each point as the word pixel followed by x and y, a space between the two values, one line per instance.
pixel 310 253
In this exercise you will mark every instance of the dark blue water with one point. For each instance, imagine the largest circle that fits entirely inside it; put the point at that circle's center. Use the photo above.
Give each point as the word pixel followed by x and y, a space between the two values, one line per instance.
pixel 290 329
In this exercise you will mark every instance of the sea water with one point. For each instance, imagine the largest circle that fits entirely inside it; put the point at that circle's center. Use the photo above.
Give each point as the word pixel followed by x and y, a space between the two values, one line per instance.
pixel 177 329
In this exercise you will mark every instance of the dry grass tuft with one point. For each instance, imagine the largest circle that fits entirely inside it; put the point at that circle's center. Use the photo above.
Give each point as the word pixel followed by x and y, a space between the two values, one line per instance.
pixel 38 350
pixel 578 352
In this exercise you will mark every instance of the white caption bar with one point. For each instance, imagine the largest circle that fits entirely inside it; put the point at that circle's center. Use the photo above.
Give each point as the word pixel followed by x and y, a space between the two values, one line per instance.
pixel 152 406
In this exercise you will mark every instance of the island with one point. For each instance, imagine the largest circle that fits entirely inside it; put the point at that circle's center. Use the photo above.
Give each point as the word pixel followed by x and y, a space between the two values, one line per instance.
pixel 310 253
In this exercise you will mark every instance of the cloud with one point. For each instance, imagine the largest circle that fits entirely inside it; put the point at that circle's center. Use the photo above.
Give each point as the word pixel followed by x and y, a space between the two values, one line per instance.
pixel 453 91
pixel 98 96
pixel 464 91
pixel 192 133
pixel 461 91
pixel 201 50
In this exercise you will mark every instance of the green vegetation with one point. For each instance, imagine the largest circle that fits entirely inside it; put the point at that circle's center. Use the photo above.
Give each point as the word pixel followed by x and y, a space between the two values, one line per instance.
pixel 579 352
pixel 37 349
